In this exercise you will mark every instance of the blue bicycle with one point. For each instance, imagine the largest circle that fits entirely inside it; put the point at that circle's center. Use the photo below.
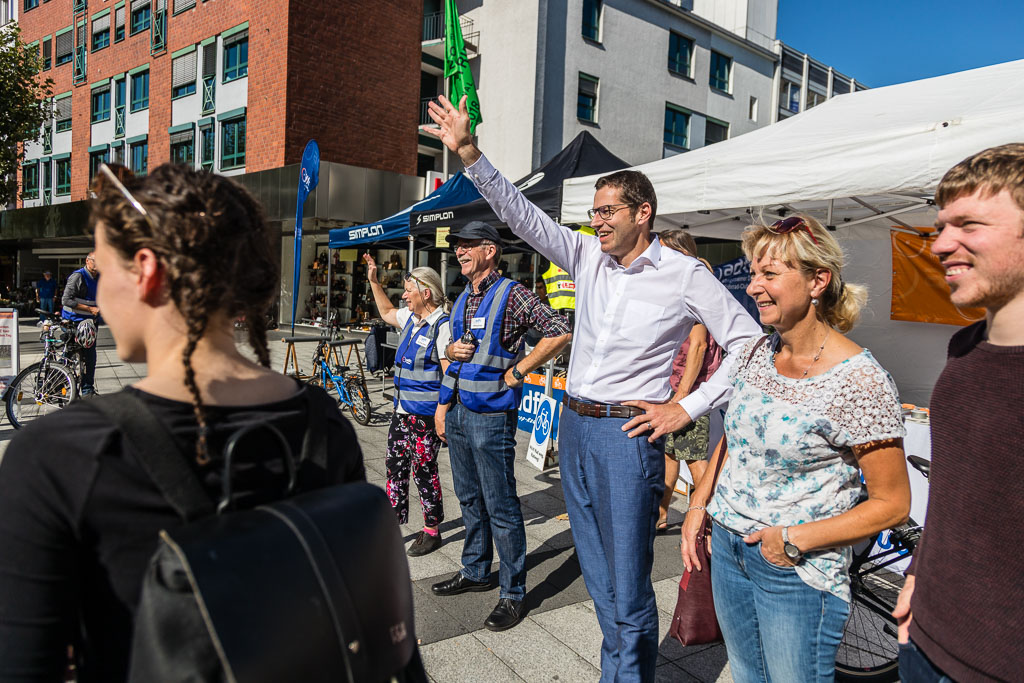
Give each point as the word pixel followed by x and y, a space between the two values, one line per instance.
pixel 347 384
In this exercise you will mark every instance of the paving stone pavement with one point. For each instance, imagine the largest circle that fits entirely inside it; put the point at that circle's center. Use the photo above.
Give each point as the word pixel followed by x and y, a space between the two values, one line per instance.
pixel 559 640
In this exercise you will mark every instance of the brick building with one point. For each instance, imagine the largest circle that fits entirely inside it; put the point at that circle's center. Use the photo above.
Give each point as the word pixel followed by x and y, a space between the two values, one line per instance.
pixel 234 86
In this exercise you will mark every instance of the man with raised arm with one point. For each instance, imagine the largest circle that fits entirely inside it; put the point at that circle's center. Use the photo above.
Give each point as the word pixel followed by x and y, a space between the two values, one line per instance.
pixel 961 611
pixel 635 304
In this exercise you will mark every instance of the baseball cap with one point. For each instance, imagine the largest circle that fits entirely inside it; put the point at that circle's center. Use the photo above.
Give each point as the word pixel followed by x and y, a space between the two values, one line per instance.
pixel 475 230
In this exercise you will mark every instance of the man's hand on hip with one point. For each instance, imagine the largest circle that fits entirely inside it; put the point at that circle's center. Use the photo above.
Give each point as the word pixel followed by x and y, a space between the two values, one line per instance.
pixel 510 379
pixel 658 419
pixel 453 128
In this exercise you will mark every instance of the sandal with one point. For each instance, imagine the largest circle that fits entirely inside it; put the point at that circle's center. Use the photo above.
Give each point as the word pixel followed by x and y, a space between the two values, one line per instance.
pixel 662 526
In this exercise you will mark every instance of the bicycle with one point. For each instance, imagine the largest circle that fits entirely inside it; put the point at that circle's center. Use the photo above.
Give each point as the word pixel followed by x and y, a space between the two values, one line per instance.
pixel 348 385
pixel 53 382
pixel 869 650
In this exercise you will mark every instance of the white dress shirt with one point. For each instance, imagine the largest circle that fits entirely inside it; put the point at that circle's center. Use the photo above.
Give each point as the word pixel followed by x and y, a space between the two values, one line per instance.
pixel 630 322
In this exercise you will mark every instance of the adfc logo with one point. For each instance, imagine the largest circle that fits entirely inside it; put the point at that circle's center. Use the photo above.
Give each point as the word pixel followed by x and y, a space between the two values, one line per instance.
pixel 542 425
pixel 304 177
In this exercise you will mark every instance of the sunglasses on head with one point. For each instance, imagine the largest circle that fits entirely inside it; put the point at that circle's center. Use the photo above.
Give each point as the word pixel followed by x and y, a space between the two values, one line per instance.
pixel 410 276
pixel 788 225
pixel 113 175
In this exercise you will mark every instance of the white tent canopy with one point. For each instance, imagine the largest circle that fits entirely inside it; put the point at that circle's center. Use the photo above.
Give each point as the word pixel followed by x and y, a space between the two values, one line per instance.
pixel 865 162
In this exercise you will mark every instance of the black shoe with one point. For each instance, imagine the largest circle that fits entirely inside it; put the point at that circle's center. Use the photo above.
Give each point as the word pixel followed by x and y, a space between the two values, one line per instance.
pixel 459 584
pixel 424 544
pixel 507 614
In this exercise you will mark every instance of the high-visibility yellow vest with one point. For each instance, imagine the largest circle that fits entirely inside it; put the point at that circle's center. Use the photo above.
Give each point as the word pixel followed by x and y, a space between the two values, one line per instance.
pixel 560 288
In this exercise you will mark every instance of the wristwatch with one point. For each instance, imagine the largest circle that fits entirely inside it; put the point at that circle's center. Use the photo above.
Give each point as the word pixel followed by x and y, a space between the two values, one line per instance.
pixel 518 375
pixel 792 552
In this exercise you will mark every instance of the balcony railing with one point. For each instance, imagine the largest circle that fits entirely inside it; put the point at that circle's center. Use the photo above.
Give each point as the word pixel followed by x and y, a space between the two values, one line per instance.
pixel 433 28
pixel 209 94
pixel 119 121
pixel 425 119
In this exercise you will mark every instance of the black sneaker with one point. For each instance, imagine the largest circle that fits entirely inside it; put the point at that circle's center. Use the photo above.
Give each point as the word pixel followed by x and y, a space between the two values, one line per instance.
pixel 424 544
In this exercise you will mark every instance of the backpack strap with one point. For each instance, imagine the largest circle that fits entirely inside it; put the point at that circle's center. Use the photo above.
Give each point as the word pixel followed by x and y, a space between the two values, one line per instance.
pixel 759 344
pixel 157 452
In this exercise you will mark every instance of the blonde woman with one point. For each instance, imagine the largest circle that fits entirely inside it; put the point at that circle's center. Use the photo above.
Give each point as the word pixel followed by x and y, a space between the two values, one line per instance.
pixel 413 443
pixel 811 411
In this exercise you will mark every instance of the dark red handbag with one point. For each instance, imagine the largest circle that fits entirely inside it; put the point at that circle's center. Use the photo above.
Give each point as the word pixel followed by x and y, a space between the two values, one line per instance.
pixel 694 622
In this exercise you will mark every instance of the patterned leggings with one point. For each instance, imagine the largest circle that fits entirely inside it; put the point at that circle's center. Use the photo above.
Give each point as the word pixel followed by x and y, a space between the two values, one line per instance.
pixel 413 444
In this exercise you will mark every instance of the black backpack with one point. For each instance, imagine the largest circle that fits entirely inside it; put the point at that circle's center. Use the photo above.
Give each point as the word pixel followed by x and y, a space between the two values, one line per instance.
pixel 311 588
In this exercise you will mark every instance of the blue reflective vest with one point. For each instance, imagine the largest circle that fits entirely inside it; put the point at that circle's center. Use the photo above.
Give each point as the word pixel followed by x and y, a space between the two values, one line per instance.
pixel 418 368
pixel 481 381
pixel 69 313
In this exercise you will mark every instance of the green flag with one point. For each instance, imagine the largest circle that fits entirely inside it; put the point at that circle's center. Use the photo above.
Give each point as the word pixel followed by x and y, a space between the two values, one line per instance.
pixel 456 65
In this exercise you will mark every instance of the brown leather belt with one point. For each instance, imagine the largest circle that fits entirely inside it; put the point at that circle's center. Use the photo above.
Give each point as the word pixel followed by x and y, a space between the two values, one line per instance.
pixel 599 409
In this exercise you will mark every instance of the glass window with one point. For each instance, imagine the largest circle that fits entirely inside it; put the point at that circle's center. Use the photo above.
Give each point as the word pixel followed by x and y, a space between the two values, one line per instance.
pixel 586 98
pixel 47 53
pixel 720 68
pixel 140 157
pixel 31 4
pixel 592 19
pixel 63 176
pixel 95 160
pixel 101 38
pixel 183 151
pixel 30 181
pixel 236 58
pixel 207 141
pixel 789 96
pixel 119 24
pixel 715 131
pixel 814 98
pixel 140 91
pixel 63 47
pixel 100 105
pixel 680 50
pixel 232 144
pixel 47 176
pixel 117 152
pixel 62 125
pixel 140 19
pixel 677 127
pixel 183 90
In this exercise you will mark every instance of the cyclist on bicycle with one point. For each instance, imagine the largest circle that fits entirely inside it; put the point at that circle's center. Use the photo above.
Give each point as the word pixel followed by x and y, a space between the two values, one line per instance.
pixel 413 443
pixel 79 303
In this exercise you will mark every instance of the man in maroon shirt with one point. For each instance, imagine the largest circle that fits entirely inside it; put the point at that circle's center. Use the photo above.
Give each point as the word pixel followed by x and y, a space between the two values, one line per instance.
pixel 961 612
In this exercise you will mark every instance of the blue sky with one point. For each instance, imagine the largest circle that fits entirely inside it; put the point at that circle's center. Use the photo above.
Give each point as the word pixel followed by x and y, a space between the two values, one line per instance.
pixel 894 41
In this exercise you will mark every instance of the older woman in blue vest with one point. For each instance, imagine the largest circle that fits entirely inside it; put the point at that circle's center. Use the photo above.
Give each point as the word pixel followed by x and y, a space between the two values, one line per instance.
pixel 413 442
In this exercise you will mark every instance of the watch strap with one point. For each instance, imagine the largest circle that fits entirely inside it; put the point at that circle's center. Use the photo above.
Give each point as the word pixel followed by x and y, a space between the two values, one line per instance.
pixel 515 373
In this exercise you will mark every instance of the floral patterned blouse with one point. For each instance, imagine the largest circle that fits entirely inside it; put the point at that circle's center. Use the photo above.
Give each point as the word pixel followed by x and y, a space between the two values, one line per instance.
pixel 790 449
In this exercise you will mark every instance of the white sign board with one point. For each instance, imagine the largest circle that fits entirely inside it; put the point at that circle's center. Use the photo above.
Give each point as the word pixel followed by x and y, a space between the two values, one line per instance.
pixel 540 438
pixel 10 358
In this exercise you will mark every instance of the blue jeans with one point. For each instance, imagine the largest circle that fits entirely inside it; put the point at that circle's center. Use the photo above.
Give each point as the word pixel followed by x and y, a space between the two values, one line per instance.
pixel 89 373
pixel 776 627
pixel 482 447
pixel 915 667
pixel 46 305
pixel 612 487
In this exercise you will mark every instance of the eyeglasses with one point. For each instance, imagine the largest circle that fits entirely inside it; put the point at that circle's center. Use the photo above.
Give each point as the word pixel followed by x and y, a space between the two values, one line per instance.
pixel 421 283
pixel 788 225
pixel 110 174
pixel 606 211
pixel 467 247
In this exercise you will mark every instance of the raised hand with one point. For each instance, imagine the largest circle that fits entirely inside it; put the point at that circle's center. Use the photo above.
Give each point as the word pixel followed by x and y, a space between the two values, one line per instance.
pixel 371 268
pixel 453 128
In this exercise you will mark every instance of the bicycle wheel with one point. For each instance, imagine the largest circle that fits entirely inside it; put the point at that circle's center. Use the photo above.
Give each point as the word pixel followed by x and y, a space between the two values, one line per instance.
pixel 360 401
pixel 869 650
pixel 34 393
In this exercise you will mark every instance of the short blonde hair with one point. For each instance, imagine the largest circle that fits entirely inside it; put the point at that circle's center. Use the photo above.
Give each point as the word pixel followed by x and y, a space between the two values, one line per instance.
pixel 840 304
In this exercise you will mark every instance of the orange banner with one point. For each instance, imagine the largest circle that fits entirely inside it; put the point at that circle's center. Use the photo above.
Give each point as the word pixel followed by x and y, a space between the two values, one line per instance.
pixel 919 289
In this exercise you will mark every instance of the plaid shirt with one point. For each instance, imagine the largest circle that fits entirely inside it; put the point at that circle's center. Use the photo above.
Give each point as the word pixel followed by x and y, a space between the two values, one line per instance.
pixel 523 311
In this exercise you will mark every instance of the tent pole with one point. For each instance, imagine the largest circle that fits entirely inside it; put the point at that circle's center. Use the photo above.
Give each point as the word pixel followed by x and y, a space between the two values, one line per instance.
pixel 330 278
pixel 409 255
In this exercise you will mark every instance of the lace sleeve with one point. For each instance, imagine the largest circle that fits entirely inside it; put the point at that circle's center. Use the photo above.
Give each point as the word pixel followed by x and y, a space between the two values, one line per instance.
pixel 870 409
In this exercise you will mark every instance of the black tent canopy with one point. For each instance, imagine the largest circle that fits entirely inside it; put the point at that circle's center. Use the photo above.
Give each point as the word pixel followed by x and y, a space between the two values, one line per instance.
pixel 543 186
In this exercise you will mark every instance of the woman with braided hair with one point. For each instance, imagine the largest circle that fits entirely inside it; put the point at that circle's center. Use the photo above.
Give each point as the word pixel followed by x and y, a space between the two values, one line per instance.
pixel 183 254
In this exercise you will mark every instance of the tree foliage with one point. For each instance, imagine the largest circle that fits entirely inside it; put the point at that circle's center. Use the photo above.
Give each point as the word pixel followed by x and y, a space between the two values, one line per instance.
pixel 23 105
